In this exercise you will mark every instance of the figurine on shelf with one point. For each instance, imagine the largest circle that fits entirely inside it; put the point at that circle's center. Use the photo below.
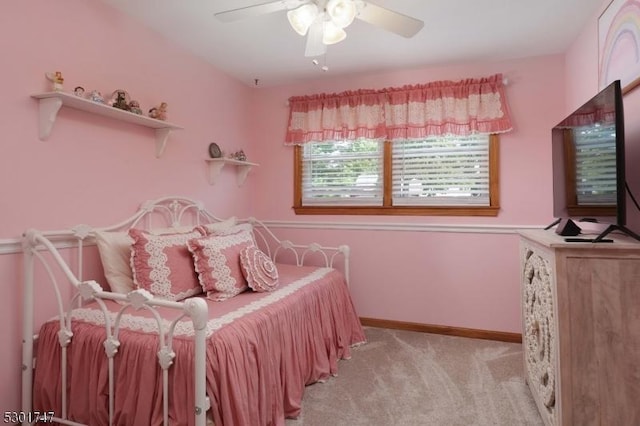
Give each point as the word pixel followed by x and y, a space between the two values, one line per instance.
pixel 79 91
pixel 120 101
pixel 96 96
pixel 57 80
pixel 238 155
pixel 162 111
pixel 134 107
pixel 159 112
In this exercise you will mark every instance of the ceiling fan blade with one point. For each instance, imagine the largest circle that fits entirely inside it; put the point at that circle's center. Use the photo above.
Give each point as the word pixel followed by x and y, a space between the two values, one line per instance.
pixel 258 9
pixel 315 46
pixel 389 20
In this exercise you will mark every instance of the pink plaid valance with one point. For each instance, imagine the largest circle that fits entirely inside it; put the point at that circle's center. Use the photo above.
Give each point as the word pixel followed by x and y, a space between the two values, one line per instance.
pixel 410 112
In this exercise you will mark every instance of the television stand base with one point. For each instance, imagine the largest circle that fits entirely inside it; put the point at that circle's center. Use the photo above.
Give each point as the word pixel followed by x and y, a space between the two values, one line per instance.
pixel 612 228
pixel 554 223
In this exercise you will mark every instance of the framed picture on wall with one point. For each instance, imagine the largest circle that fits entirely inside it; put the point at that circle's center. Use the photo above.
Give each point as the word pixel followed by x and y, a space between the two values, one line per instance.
pixel 619 44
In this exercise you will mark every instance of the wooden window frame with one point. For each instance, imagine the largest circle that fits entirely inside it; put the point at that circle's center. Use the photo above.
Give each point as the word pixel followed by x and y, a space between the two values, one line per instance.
pixel 387 209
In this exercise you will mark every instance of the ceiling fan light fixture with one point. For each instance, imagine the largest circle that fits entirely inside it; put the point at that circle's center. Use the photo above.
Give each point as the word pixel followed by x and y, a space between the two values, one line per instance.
pixel 331 33
pixel 315 46
pixel 302 17
pixel 342 12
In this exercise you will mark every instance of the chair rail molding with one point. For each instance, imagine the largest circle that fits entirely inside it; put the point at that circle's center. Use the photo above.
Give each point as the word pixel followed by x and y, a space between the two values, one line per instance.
pixel 14 245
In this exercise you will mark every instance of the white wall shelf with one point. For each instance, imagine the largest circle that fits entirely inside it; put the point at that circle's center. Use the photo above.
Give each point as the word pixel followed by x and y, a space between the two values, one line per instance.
pixel 51 102
pixel 217 164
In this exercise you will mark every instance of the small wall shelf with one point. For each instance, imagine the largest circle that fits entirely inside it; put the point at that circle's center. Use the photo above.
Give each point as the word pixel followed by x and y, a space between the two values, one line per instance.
pixel 217 164
pixel 51 102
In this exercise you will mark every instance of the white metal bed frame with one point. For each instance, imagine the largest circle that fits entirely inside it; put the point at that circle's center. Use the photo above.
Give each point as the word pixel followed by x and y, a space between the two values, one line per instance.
pixel 174 211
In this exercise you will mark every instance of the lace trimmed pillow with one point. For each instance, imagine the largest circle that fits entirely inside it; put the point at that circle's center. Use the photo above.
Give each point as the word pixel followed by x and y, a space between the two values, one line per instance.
pixel 163 265
pixel 217 262
pixel 114 248
pixel 260 271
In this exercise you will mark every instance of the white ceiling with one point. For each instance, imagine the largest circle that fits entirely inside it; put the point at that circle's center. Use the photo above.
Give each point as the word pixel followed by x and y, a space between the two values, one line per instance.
pixel 266 48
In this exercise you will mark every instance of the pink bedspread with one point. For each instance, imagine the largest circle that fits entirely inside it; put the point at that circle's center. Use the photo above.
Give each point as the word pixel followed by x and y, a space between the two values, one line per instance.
pixel 262 349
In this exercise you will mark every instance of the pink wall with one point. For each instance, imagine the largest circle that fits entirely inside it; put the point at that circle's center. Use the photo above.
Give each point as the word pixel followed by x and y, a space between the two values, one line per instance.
pixel 581 77
pixel 456 279
pixel 80 171
pixel 459 279
pixel 525 152
pixel 92 169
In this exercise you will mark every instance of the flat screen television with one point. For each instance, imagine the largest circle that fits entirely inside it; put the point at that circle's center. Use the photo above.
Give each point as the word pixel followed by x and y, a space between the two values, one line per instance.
pixel 588 155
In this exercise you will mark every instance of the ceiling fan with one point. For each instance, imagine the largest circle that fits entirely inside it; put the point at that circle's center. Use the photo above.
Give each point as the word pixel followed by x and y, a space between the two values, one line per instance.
pixel 323 21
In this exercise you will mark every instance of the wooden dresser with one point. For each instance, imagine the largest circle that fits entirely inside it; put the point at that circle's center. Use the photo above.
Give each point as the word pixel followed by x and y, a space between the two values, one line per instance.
pixel 581 329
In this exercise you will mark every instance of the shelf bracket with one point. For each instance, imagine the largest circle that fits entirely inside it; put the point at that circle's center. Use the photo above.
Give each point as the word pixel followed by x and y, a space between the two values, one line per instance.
pixel 48 111
pixel 214 171
pixel 161 141
pixel 242 173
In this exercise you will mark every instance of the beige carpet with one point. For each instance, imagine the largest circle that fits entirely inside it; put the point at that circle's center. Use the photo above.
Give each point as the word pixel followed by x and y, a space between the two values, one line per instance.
pixel 410 378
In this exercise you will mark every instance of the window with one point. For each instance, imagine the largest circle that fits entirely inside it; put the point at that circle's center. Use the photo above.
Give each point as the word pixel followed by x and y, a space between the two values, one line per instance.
pixel 595 158
pixel 435 176
pixel 590 163
pixel 342 173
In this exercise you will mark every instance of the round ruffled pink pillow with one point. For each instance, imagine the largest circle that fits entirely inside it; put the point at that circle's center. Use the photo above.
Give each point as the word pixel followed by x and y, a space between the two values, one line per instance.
pixel 260 271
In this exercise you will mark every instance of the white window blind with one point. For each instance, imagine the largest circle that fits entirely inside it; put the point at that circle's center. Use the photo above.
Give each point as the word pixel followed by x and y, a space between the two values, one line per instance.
pixel 595 165
pixel 342 173
pixel 441 171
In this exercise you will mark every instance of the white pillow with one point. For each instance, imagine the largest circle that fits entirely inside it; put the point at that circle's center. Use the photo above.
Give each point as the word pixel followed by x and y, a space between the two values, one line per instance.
pixel 222 226
pixel 115 252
